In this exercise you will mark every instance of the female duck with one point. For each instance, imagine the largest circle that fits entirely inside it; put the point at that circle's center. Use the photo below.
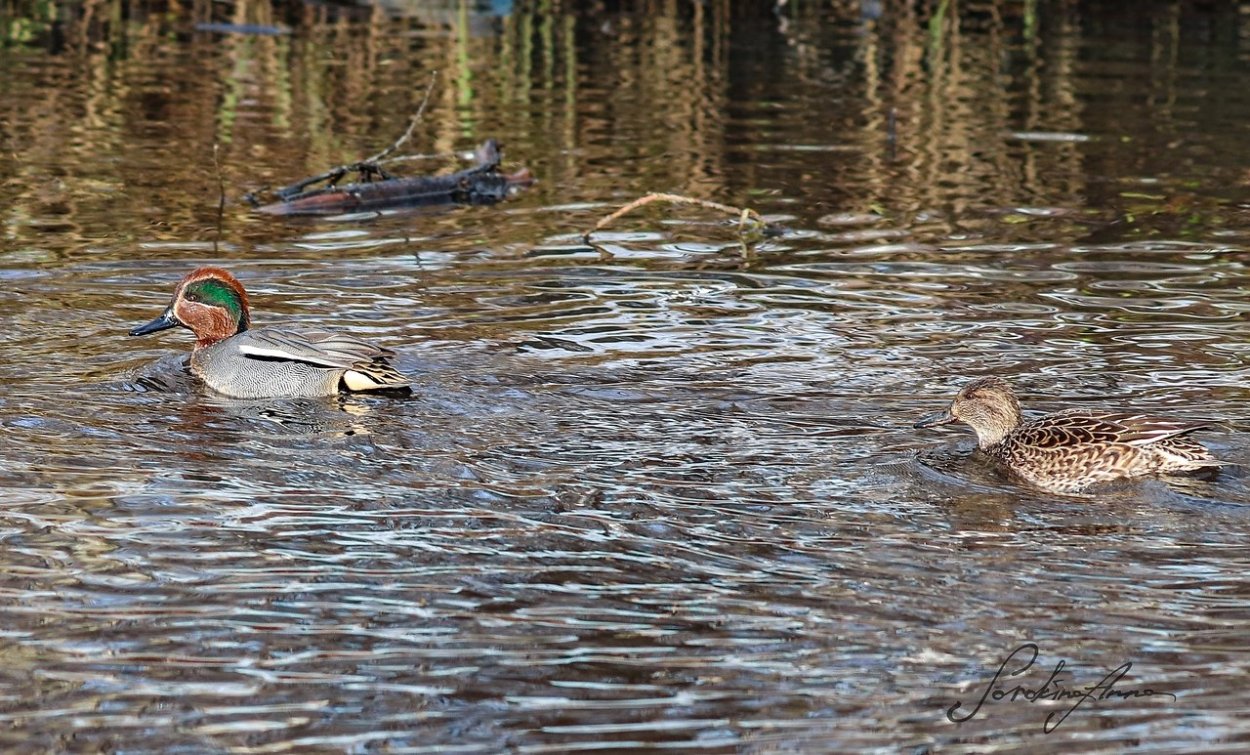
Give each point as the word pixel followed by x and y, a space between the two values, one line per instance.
pixel 237 361
pixel 1069 450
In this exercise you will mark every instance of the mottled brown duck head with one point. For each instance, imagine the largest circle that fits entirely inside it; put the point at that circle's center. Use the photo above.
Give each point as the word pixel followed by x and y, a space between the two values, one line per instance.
pixel 987 405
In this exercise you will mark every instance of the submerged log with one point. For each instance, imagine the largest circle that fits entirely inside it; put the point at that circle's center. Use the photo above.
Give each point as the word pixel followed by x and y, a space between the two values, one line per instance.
pixel 481 184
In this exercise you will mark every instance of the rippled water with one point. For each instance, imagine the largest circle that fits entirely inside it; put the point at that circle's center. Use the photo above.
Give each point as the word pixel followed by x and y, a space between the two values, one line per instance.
pixel 661 491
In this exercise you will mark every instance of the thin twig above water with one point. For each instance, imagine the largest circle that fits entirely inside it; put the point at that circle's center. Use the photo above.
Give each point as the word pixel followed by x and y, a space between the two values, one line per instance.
pixel 749 221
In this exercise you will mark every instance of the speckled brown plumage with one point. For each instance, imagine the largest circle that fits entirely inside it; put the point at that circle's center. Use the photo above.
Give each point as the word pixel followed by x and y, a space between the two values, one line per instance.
pixel 1070 450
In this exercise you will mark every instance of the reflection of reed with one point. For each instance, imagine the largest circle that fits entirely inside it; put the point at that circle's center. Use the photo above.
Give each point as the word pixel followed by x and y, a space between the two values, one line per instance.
pixel 697 98
pixel 958 103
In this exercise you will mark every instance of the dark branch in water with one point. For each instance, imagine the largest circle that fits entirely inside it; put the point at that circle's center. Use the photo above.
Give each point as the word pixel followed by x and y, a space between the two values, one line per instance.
pixel 481 184
pixel 366 170
pixel 376 189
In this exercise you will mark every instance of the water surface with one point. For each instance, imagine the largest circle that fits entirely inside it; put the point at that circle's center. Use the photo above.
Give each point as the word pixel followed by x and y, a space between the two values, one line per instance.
pixel 657 492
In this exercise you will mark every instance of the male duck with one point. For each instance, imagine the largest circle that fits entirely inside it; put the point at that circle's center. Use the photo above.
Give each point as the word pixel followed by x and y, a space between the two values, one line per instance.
pixel 1070 450
pixel 237 361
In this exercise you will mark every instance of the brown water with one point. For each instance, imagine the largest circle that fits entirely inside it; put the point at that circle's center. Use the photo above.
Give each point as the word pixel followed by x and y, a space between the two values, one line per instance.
pixel 662 493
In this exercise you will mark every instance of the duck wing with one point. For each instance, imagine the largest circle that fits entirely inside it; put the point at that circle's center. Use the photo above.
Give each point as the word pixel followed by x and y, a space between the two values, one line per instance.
pixel 367 366
pixel 323 348
pixel 1077 426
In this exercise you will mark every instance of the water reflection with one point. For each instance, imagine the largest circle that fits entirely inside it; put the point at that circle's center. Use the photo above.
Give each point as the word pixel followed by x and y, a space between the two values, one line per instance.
pixel 659 492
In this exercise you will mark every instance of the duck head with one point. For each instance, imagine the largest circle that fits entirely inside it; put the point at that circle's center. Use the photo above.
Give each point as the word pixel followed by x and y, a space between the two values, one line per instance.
pixel 210 302
pixel 987 405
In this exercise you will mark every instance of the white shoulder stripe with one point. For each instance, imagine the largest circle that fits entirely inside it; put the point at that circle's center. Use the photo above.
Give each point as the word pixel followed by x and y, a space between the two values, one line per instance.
pixel 273 351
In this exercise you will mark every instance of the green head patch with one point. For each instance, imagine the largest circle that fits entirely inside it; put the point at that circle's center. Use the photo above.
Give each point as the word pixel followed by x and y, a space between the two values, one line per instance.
pixel 216 293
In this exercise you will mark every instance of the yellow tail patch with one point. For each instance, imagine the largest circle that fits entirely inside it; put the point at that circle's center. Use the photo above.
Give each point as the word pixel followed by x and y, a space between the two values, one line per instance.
pixel 359 381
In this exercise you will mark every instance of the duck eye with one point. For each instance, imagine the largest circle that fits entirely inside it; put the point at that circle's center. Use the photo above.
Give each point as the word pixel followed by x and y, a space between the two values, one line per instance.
pixel 193 296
